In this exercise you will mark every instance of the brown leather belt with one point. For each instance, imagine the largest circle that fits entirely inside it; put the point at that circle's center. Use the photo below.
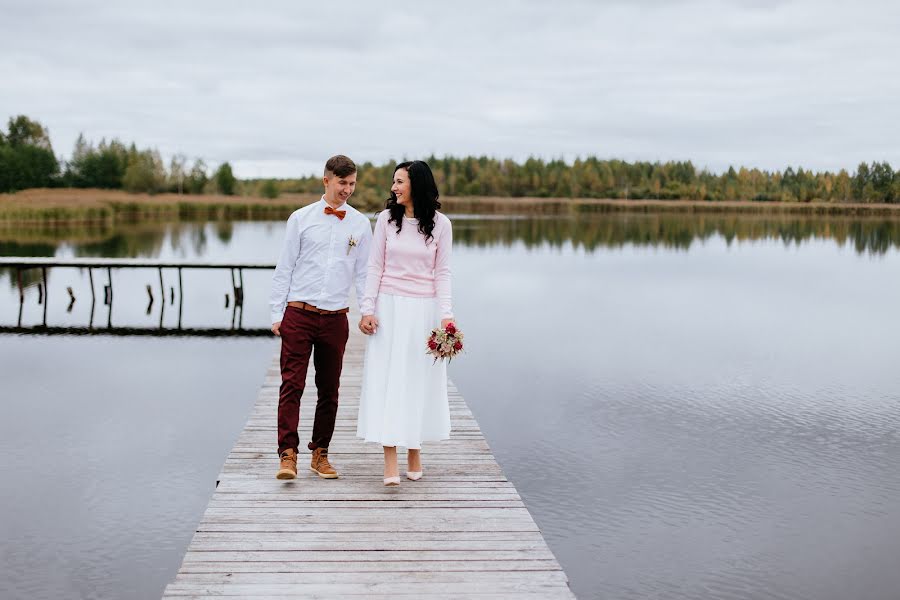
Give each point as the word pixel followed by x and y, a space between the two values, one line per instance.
pixel 311 308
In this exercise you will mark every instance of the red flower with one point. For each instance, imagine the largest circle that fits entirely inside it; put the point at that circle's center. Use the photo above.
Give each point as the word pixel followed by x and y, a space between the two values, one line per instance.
pixel 457 346
pixel 450 328
pixel 432 344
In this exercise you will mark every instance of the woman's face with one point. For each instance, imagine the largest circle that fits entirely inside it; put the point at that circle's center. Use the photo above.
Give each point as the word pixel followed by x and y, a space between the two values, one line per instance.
pixel 401 189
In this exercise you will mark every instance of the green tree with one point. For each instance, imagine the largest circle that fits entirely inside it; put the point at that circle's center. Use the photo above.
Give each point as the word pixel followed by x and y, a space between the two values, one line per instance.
pixel 882 178
pixel 197 178
pixel 177 175
pixel 26 156
pixel 225 180
pixel 25 132
pixel 843 187
pixel 270 189
pixel 26 167
pixel 105 167
pixel 145 172
pixel 859 181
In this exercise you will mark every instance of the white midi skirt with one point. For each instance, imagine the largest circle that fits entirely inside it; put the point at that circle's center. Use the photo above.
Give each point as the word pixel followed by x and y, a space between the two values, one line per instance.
pixel 404 392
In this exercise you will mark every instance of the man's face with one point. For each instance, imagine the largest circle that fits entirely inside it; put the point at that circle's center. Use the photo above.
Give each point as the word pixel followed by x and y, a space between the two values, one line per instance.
pixel 339 189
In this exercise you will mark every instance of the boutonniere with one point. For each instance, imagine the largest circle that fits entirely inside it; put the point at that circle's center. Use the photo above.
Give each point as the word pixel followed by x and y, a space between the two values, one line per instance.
pixel 351 243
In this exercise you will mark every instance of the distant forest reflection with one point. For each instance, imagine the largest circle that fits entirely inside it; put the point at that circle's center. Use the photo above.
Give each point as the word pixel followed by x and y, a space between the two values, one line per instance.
pixel 587 231
pixel 676 231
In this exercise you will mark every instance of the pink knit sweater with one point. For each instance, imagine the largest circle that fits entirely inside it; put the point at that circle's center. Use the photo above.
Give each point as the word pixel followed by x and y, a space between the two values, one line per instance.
pixel 405 265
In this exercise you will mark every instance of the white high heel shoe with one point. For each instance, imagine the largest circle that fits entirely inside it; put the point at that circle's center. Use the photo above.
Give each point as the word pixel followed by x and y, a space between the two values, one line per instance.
pixel 414 475
pixel 392 481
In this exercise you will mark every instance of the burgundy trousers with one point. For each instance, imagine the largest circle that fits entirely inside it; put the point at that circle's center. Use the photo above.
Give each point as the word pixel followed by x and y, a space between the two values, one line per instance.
pixel 305 333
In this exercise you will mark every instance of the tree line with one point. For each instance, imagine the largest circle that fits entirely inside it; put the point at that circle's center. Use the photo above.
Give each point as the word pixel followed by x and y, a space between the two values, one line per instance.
pixel 593 177
pixel 27 160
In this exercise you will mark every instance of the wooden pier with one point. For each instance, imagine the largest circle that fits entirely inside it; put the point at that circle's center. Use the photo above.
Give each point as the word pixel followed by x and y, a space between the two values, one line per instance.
pixel 25 263
pixel 462 531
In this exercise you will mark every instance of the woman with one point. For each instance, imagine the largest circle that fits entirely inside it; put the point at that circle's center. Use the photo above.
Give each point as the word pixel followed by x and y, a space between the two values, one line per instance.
pixel 404 392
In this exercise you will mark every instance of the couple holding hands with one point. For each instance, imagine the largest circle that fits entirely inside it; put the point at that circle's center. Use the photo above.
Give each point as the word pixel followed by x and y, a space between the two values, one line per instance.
pixel 402 279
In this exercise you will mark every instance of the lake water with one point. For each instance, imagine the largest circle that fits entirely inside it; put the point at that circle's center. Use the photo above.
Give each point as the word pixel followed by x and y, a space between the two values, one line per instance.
pixel 690 406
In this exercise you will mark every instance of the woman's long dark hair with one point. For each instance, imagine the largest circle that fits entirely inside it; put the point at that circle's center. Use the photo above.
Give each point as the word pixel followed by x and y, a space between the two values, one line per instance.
pixel 424 195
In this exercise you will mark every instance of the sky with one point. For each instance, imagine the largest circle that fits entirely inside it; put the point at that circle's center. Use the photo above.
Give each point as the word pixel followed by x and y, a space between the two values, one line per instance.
pixel 276 87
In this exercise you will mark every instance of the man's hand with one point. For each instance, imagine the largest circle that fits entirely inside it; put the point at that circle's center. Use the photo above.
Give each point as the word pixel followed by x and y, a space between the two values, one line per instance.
pixel 368 324
pixel 276 328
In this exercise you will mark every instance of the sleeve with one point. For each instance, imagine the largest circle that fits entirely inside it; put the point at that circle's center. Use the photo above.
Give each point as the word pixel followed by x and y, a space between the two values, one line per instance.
pixel 375 267
pixel 360 269
pixel 442 286
pixel 281 280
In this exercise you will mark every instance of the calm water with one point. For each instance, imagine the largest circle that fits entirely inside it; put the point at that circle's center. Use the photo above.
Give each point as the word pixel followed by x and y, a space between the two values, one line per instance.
pixel 691 407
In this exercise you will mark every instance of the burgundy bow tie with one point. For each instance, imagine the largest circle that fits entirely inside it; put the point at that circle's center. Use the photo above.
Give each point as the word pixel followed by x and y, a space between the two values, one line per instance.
pixel 340 214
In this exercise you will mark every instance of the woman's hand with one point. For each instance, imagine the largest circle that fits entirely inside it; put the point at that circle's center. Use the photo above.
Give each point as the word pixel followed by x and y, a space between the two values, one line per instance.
pixel 368 324
pixel 445 322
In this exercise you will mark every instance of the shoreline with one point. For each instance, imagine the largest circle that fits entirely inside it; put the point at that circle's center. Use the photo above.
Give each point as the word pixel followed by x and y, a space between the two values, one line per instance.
pixel 68 205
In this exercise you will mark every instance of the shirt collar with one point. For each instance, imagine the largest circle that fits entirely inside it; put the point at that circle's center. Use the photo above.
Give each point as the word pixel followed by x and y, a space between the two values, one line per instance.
pixel 341 207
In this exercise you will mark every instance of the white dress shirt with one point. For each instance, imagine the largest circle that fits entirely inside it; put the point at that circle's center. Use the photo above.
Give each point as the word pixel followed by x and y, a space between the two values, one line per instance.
pixel 322 257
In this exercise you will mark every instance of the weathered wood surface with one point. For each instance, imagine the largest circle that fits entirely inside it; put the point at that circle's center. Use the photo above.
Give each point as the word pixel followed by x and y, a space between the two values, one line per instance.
pixel 462 531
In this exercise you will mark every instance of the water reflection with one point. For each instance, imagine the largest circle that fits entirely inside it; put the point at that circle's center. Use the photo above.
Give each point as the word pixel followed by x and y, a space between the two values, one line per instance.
pixel 705 414
pixel 588 231
pixel 592 232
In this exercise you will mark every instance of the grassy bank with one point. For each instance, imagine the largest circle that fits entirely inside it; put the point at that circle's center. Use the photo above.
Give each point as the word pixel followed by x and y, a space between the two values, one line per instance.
pixel 562 206
pixel 112 206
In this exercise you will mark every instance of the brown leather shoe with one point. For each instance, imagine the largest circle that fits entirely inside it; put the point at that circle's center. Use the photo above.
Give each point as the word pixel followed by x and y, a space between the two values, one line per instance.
pixel 321 465
pixel 288 469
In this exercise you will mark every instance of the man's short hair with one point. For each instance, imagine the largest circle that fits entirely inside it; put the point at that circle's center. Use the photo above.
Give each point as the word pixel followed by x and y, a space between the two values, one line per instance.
pixel 340 165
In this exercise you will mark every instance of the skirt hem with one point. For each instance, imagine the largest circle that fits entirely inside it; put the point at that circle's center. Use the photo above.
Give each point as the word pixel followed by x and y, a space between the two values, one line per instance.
pixel 403 444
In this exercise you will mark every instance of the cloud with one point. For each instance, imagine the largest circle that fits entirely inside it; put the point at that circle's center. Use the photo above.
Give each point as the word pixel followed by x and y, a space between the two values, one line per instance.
pixel 278 84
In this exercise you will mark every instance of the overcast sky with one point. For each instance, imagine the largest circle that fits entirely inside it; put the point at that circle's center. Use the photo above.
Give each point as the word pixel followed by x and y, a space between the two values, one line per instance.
pixel 277 87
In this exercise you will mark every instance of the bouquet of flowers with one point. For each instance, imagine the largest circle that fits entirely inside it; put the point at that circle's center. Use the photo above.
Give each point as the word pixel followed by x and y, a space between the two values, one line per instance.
pixel 445 343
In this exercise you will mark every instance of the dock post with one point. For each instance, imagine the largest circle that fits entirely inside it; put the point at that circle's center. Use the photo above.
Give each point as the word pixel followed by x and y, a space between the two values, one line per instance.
pixel 91 279
pixel 150 294
pixel 46 293
pixel 238 287
pixel 162 298
pixel 180 297
pixel 21 296
pixel 110 297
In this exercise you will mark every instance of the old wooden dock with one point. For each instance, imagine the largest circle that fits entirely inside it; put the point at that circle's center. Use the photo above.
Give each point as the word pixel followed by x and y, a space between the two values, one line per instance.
pixel 462 531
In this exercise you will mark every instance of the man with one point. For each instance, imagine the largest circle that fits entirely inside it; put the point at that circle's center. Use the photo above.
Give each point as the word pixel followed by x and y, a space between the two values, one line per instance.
pixel 326 250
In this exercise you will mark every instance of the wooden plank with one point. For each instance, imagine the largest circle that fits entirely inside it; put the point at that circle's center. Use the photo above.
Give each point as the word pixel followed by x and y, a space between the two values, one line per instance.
pixel 288 503
pixel 422 556
pixel 288 576
pixel 448 537
pixel 247 542
pixel 348 566
pixel 369 590
pixel 272 485
pixel 460 525
pixel 418 594
pixel 460 532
